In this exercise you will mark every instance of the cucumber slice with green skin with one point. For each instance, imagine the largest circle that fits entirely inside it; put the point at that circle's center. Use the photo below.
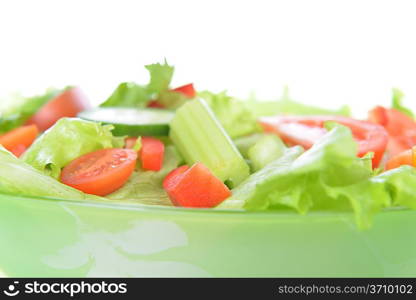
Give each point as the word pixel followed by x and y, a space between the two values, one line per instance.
pixel 132 121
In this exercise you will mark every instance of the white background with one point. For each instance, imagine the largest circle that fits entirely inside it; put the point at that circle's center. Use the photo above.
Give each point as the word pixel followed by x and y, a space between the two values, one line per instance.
pixel 328 52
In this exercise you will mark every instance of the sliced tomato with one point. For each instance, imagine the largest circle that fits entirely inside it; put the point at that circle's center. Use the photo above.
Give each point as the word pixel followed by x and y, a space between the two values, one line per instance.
pixel 67 104
pixel 187 90
pixel 151 153
pixel 407 157
pixel 100 172
pixel 306 130
pixel 400 127
pixel 195 187
pixel 19 139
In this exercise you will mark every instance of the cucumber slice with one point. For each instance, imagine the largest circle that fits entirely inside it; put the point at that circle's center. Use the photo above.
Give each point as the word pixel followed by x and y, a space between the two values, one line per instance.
pixel 132 121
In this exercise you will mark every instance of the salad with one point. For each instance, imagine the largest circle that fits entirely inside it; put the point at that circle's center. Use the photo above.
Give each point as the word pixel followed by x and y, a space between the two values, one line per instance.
pixel 153 144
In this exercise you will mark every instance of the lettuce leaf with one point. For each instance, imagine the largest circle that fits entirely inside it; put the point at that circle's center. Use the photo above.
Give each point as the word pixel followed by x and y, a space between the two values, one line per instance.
pixel 171 99
pixel 68 139
pixel 287 106
pixel 18 110
pixel 328 176
pixel 145 187
pixel 400 184
pixel 397 103
pixel 233 114
pixel 160 77
pixel 259 149
pixel 17 177
pixel 130 94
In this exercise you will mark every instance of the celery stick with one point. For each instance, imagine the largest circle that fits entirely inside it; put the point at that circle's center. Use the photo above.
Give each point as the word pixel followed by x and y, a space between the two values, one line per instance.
pixel 200 137
pixel 267 149
pixel 244 143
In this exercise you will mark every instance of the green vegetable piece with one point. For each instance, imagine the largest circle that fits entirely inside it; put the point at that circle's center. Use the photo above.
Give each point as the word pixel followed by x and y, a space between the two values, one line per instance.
pixel 254 191
pixel 234 115
pixel 138 144
pixel 288 106
pixel 327 177
pixel 128 94
pixel 160 77
pixel 397 103
pixel 67 140
pixel 145 187
pixel 171 99
pixel 17 177
pixel 132 121
pixel 199 137
pixel 16 111
pixel 267 149
pixel 244 143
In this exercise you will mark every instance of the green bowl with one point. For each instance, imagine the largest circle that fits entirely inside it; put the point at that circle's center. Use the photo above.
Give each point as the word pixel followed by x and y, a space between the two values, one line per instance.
pixel 55 238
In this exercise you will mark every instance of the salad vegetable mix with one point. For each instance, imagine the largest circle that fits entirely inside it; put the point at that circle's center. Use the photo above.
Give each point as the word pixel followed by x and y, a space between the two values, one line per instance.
pixel 157 145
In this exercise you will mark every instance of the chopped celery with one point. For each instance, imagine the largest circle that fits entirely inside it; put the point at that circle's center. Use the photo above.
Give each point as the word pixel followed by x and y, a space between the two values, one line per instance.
pixel 200 137
pixel 246 142
pixel 267 149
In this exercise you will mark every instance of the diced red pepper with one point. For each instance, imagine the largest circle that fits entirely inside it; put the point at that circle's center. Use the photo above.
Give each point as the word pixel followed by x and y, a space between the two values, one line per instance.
pixel 173 177
pixel 151 153
pixel 187 90
pixel 195 187
pixel 400 127
pixel 18 150
pixel 19 139
pixel 407 157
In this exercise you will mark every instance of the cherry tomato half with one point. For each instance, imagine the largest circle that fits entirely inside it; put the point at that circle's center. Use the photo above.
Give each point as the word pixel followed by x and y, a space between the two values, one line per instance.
pixel 100 172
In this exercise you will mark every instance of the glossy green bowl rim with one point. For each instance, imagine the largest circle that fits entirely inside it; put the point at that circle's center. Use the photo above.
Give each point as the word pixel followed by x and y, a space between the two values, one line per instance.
pixel 287 214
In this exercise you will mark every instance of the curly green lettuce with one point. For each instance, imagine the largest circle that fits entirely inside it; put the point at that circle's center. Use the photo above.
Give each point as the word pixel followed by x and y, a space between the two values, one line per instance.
pixel 130 94
pixel 16 111
pixel 67 140
pixel 287 106
pixel 234 115
pixel 18 177
pixel 145 187
pixel 397 103
pixel 327 177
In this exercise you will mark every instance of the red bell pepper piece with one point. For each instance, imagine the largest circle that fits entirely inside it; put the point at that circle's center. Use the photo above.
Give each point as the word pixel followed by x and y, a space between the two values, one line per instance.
pixel 19 139
pixel 195 186
pixel 151 153
pixel 400 127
